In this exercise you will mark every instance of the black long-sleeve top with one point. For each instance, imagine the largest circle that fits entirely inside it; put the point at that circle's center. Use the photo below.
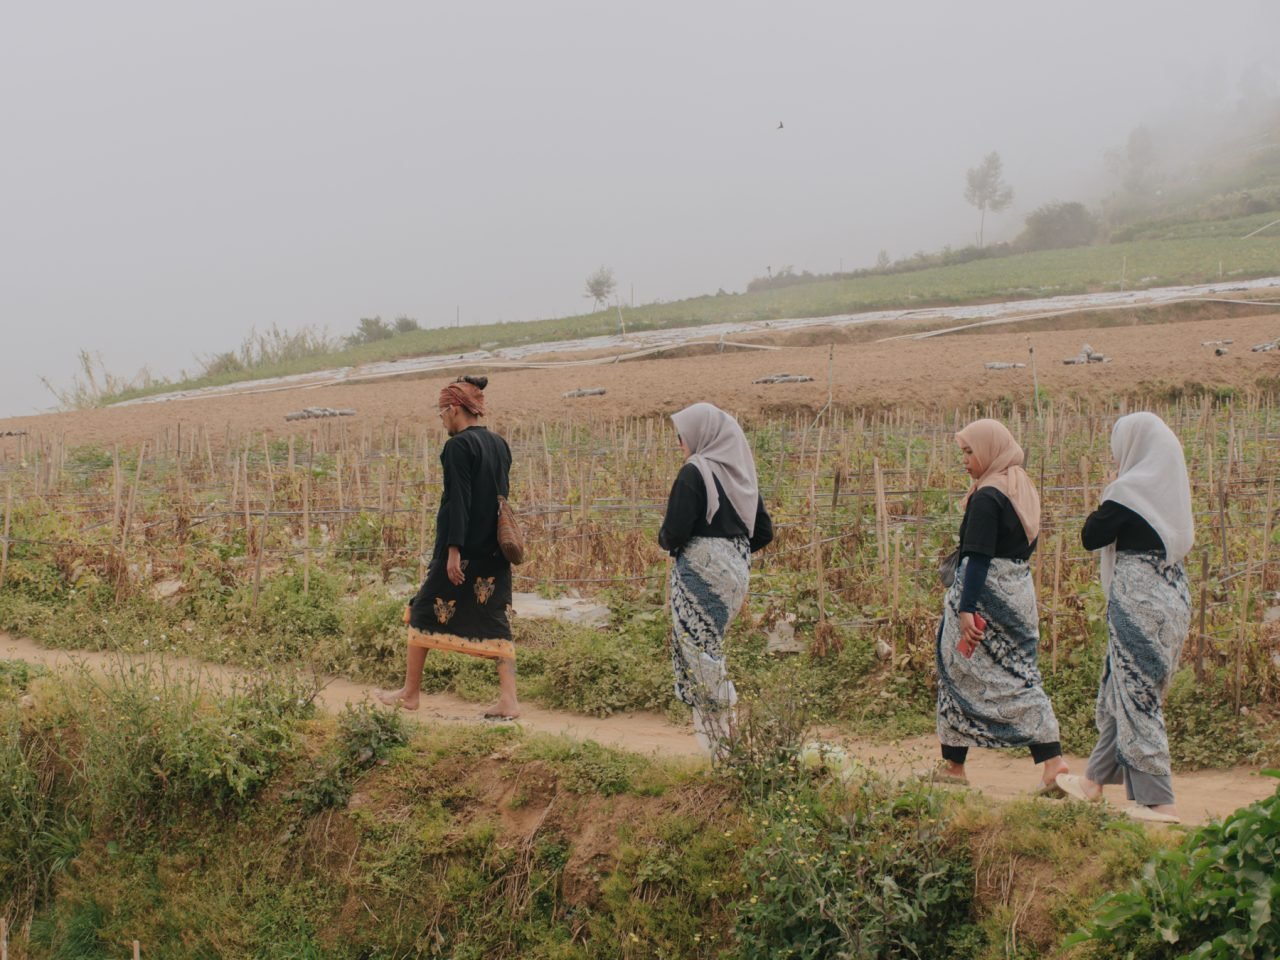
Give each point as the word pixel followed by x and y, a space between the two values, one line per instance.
pixel 476 467
pixel 1115 523
pixel 686 516
pixel 990 529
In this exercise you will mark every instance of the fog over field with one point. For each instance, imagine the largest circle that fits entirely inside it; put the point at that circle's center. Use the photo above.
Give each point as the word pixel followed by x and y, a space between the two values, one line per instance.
pixel 175 175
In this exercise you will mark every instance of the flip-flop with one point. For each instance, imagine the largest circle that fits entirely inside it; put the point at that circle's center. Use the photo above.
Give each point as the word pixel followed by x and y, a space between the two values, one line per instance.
pixel 499 717
pixel 1072 784
pixel 1147 815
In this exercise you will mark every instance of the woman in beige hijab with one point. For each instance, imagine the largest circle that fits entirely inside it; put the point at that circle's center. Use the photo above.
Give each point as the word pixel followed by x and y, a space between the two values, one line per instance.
pixel 990 693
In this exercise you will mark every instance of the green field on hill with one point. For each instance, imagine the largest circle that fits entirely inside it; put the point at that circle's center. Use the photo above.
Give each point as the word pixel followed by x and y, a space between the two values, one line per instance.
pixel 1184 253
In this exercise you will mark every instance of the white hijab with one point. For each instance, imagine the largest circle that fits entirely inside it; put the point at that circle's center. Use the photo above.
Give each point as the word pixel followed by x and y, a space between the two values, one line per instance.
pixel 719 449
pixel 1151 480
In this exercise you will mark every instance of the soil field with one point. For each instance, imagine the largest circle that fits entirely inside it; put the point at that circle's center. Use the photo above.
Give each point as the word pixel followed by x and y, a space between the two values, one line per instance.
pixel 943 372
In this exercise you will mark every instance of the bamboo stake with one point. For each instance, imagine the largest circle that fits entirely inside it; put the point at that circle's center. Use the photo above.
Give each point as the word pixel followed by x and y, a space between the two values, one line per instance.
pixel 1222 518
pixel 897 572
pixel 1266 529
pixel 1053 617
pixel 261 545
pixel 117 484
pixel 4 549
pixel 882 531
pixel 422 541
pixel 245 482
pixel 306 530
pixel 1204 606
pixel 235 486
pixel 133 496
pixel 1242 638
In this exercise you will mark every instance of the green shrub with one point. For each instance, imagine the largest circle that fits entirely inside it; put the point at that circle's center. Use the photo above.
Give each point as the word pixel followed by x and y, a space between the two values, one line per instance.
pixel 599 673
pixel 148 740
pixel 1213 898
pixel 366 734
pixel 286 613
pixel 866 872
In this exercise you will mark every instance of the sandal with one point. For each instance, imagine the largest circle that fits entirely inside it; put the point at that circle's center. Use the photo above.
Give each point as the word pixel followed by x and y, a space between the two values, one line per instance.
pixel 1072 784
pixel 1147 815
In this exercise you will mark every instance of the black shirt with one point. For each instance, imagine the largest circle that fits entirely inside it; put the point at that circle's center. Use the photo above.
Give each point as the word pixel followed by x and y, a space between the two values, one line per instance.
pixel 476 466
pixel 687 512
pixel 991 527
pixel 1115 523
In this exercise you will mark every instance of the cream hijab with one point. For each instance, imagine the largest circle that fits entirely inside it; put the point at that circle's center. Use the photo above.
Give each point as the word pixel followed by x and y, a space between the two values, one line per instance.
pixel 1151 480
pixel 719 449
pixel 1000 459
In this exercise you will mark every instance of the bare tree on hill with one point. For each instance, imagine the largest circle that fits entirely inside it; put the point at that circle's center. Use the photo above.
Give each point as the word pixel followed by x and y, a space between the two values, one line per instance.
pixel 600 286
pixel 987 190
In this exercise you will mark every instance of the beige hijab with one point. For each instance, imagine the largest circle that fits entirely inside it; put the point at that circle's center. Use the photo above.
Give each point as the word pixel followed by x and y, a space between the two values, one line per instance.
pixel 1000 460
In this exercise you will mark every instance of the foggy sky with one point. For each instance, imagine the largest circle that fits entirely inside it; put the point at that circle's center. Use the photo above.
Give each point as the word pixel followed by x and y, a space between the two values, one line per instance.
pixel 174 174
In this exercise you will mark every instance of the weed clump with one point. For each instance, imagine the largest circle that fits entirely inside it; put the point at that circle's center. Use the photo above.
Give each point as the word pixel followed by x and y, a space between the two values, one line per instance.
pixel 1212 898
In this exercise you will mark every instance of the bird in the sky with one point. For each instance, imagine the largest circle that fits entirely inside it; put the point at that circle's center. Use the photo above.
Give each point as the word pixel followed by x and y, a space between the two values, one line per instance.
pixel 779 124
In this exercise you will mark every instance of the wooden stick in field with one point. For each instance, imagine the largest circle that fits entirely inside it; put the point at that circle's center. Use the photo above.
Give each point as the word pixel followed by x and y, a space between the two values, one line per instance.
pixel 1053 617
pixel 1204 606
pixel 306 529
pixel 4 549
pixel 133 495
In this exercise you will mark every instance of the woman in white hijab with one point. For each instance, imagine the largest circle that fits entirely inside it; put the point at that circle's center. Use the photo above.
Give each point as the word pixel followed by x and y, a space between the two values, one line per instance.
pixel 1144 529
pixel 715 520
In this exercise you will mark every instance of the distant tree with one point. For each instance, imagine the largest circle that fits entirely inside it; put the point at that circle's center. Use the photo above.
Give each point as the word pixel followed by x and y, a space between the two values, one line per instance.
pixel 406 324
pixel 369 330
pixel 1136 163
pixel 1140 159
pixel 882 261
pixel 600 286
pixel 1057 225
pixel 987 190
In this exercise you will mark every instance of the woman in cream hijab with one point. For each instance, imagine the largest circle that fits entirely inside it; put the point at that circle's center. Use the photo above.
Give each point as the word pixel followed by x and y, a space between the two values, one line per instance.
pixel 990 693
pixel 1144 529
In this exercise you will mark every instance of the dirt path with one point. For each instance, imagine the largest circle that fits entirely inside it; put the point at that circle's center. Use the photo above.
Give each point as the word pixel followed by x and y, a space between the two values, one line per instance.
pixel 1202 795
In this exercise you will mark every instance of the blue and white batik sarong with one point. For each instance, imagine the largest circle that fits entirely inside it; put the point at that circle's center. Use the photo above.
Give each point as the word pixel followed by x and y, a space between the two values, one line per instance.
pixel 708 586
pixel 996 697
pixel 1148 615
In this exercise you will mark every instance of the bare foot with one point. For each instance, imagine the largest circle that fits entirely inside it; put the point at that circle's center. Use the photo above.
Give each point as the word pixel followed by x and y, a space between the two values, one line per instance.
pixel 502 711
pixel 1052 768
pixel 396 698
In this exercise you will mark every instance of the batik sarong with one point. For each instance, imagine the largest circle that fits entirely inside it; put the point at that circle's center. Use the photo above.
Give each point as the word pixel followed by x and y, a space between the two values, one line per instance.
pixel 996 697
pixel 1148 615
pixel 708 585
